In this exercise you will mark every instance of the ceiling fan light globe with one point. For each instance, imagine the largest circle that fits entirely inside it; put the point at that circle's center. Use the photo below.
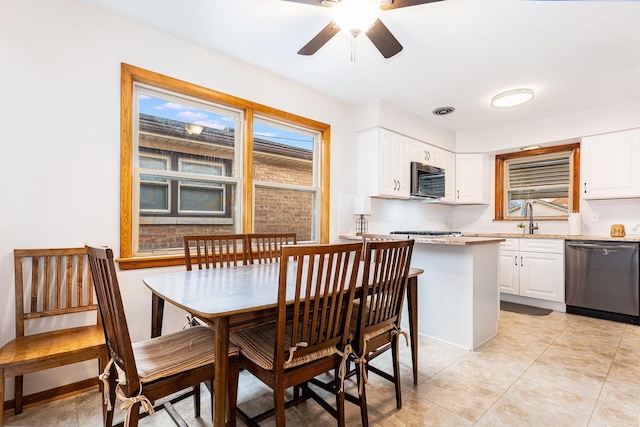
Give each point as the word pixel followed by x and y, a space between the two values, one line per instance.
pixel 355 16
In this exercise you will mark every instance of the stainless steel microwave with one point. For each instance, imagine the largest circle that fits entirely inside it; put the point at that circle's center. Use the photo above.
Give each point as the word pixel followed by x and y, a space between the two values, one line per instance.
pixel 427 181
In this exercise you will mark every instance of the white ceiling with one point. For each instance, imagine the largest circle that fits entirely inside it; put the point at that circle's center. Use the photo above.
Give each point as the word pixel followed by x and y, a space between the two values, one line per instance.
pixel 576 55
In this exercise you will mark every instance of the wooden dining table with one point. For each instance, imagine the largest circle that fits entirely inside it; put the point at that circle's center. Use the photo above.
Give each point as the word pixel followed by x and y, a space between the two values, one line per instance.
pixel 233 297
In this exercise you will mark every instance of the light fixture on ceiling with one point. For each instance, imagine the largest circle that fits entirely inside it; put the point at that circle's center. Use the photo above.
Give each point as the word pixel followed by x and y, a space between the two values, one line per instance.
pixel 530 147
pixel 355 17
pixel 512 98
pixel 193 129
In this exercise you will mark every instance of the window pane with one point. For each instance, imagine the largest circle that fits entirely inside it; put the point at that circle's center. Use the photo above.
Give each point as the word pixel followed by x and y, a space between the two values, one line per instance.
pixel 201 197
pixel 544 181
pixel 154 196
pixel 184 138
pixel 282 154
pixel 163 232
pixel 281 210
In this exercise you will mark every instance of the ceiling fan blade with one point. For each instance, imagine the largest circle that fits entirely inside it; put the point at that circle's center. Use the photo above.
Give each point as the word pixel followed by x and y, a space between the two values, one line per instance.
pixel 382 38
pixel 406 3
pixel 320 39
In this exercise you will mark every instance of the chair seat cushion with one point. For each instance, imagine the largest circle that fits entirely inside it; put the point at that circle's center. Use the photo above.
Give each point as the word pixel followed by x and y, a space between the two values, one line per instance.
pixel 172 353
pixel 257 344
pixel 354 324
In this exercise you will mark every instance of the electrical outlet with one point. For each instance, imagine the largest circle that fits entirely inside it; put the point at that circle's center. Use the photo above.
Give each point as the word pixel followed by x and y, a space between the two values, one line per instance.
pixel 594 216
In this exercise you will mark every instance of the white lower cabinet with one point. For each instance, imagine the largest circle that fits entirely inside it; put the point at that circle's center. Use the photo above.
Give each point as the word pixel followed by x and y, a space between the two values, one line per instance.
pixel 533 268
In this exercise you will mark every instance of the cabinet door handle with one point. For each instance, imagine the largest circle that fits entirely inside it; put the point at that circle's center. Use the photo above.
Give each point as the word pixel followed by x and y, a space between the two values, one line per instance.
pixel 521 264
pixel 395 185
pixel 585 188
pixel 515 260
pixel 458 192
pixel 398 185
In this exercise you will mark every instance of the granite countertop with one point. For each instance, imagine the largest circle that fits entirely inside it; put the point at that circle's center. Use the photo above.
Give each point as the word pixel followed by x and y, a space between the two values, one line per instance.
pixel 475 239
pixel 634 238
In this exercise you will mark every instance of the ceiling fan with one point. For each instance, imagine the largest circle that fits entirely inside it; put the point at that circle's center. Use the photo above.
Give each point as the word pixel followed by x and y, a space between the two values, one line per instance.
pixel 347 16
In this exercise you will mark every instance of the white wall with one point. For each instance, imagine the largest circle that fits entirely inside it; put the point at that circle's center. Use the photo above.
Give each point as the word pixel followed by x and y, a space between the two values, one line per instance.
pixel 60 142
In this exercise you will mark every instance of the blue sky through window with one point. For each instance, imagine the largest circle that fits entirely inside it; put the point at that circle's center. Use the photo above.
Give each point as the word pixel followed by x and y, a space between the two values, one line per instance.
pixel 185 113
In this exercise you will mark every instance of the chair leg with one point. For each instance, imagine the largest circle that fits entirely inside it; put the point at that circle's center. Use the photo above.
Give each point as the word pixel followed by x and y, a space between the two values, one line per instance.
pixel 364 416
pixel 1 394
pixel 196 400
pixel 232 392
pixel 396 371
pixel 18 394
pixel 278 398
pixel 107 415
pixel 340 407
pixel 134 415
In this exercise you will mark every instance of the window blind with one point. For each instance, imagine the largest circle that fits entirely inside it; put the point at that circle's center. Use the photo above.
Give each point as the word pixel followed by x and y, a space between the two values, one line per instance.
pixel 532 178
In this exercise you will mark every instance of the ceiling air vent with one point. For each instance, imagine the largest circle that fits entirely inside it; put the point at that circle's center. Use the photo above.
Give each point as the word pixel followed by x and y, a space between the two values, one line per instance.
pixel 443 111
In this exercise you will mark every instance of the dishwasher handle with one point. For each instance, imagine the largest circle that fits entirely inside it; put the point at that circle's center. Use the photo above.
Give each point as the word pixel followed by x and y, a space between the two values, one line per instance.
pixel 602 246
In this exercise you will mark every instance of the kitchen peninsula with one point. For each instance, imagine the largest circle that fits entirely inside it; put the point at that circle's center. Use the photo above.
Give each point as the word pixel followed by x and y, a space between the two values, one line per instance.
pixel 458 294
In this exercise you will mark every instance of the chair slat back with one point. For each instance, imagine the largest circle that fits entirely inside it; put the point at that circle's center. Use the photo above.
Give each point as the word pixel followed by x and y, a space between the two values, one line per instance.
pixel 112 312
pixel 385 278
pixel 323 280
pixel 378 237
pixel 217 250
pixel 267 247
pixel 51 282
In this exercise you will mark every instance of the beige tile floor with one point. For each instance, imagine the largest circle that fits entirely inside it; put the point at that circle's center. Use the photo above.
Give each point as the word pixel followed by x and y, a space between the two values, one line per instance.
pixel 555 370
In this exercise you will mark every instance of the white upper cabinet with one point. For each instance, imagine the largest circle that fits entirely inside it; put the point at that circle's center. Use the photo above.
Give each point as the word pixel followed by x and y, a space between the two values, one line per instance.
pixel 471 180
pixel 427 154
pixel 383 164
pixel 609 165
pixel 448 160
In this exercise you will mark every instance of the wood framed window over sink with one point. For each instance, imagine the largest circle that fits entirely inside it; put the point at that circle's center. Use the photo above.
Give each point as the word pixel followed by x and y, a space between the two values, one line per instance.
pixel 548 178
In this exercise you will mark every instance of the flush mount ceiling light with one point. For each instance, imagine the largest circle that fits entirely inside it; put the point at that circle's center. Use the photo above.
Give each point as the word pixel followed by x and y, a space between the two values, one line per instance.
pixel 512 98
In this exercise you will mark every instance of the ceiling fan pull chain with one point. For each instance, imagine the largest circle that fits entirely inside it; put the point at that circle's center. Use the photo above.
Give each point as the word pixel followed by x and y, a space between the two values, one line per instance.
pixel 353 49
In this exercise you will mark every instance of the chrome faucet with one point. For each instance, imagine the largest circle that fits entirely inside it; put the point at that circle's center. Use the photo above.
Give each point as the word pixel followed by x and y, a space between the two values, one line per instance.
pixel 529 208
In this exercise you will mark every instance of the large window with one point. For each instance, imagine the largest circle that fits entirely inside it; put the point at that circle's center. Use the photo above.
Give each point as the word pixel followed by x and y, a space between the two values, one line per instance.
pixel 546 178
pixel 195 161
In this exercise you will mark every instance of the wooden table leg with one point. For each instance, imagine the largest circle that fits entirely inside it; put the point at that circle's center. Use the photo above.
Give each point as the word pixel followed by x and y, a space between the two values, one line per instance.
pixel 221 327
pixel 412 303
pixel 157 313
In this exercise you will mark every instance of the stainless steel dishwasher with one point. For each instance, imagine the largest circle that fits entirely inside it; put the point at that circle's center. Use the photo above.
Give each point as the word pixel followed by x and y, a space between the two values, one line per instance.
pixel 602 279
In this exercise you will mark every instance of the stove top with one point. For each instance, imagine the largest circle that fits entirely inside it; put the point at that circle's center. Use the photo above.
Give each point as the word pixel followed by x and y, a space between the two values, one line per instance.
pixel 431 233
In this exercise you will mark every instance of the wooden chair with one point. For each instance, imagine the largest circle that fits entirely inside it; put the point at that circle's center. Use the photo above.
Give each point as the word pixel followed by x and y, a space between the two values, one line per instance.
pixel 375 325
pixel 267 247
pixel 155 368
pixel 205 251
pixel 218 250
pixel 309 335
pixel 49 282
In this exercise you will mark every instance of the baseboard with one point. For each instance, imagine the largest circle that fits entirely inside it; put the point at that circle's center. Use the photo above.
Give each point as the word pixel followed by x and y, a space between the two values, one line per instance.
pixel 534 302
pixel 53 394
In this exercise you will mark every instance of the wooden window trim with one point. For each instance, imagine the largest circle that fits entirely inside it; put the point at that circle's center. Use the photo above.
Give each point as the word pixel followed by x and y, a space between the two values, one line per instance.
pixel 500 182
pixel 131 75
